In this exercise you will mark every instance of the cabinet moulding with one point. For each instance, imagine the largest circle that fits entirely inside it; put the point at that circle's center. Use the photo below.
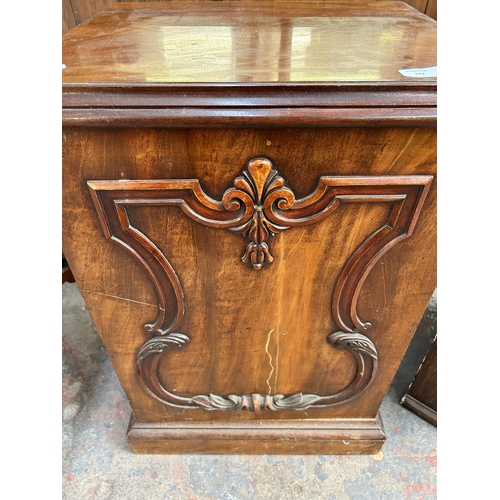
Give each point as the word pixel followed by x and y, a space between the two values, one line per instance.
pixel 257 207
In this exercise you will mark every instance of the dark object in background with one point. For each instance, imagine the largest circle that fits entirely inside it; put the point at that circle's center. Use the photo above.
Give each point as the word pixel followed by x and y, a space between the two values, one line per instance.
pixel 67 275
pixel 421 397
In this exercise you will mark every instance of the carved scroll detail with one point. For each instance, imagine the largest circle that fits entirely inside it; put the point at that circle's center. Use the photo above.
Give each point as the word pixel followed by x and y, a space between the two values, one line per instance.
pixel 257 207
pixel 362 348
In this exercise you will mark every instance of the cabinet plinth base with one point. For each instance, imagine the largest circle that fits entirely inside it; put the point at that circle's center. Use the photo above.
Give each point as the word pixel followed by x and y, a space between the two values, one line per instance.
pixel 268 437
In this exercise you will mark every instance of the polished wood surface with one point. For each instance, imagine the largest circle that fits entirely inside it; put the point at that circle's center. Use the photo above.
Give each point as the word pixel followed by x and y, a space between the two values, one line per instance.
pixel 250 42
pixel 253 253
pixel 82 9
pixel 294 438
pixel 113 67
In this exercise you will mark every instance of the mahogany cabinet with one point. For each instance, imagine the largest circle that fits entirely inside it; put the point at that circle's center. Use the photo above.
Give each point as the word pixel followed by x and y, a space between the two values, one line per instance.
pixel 249 212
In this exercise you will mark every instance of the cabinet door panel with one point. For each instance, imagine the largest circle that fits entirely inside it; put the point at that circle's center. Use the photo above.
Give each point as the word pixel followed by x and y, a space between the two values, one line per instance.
pixel 257 339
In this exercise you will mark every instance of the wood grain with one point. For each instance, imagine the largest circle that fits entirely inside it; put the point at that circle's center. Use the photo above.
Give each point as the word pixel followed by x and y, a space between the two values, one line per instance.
pixel 257 118
pixel 431 9
pixel 428 7
pixel 411 94
pixel 420 5
pixel 83 9
pixel 302 155
pixel 228 42
pixel 68 16
pixel 123 90
pixel 299 437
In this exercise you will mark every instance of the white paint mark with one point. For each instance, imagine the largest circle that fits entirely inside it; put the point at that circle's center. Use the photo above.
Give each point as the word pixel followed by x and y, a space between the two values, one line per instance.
pixel 270 361
pixel 277 362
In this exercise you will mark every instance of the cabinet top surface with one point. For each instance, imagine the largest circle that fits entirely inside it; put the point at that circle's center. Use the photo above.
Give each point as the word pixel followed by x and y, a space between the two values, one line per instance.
pixel 250 43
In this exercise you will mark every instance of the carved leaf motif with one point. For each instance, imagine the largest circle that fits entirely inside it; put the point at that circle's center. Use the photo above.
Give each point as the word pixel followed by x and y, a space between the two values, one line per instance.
pixel 296 401
pixel 353 341
pixel 276 183
pixel 160 343
pixel 257 402
pixel 214 402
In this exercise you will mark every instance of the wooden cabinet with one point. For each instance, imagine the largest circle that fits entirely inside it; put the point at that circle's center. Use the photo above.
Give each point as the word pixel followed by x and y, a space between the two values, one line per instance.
pixel 249 212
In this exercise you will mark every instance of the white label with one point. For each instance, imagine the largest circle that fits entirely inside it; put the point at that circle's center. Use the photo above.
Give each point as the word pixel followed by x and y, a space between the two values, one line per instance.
pixel 64 66
pixel 420 72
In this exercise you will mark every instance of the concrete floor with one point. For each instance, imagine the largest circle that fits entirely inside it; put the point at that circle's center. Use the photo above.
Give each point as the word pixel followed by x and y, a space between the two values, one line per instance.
pixel 97 463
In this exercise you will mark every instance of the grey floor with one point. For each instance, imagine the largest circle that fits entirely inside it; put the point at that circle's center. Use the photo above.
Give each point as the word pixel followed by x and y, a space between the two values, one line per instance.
pixel 97 463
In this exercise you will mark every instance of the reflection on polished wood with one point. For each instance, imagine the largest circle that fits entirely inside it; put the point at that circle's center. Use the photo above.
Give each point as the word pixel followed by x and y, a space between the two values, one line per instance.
pixel 222 42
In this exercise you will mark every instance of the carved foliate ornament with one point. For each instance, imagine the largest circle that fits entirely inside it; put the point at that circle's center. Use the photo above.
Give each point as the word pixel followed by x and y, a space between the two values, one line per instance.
pixel 258 185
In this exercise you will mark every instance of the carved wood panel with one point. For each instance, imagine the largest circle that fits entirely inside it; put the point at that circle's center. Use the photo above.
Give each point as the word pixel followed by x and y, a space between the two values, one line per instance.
pixel 257 207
